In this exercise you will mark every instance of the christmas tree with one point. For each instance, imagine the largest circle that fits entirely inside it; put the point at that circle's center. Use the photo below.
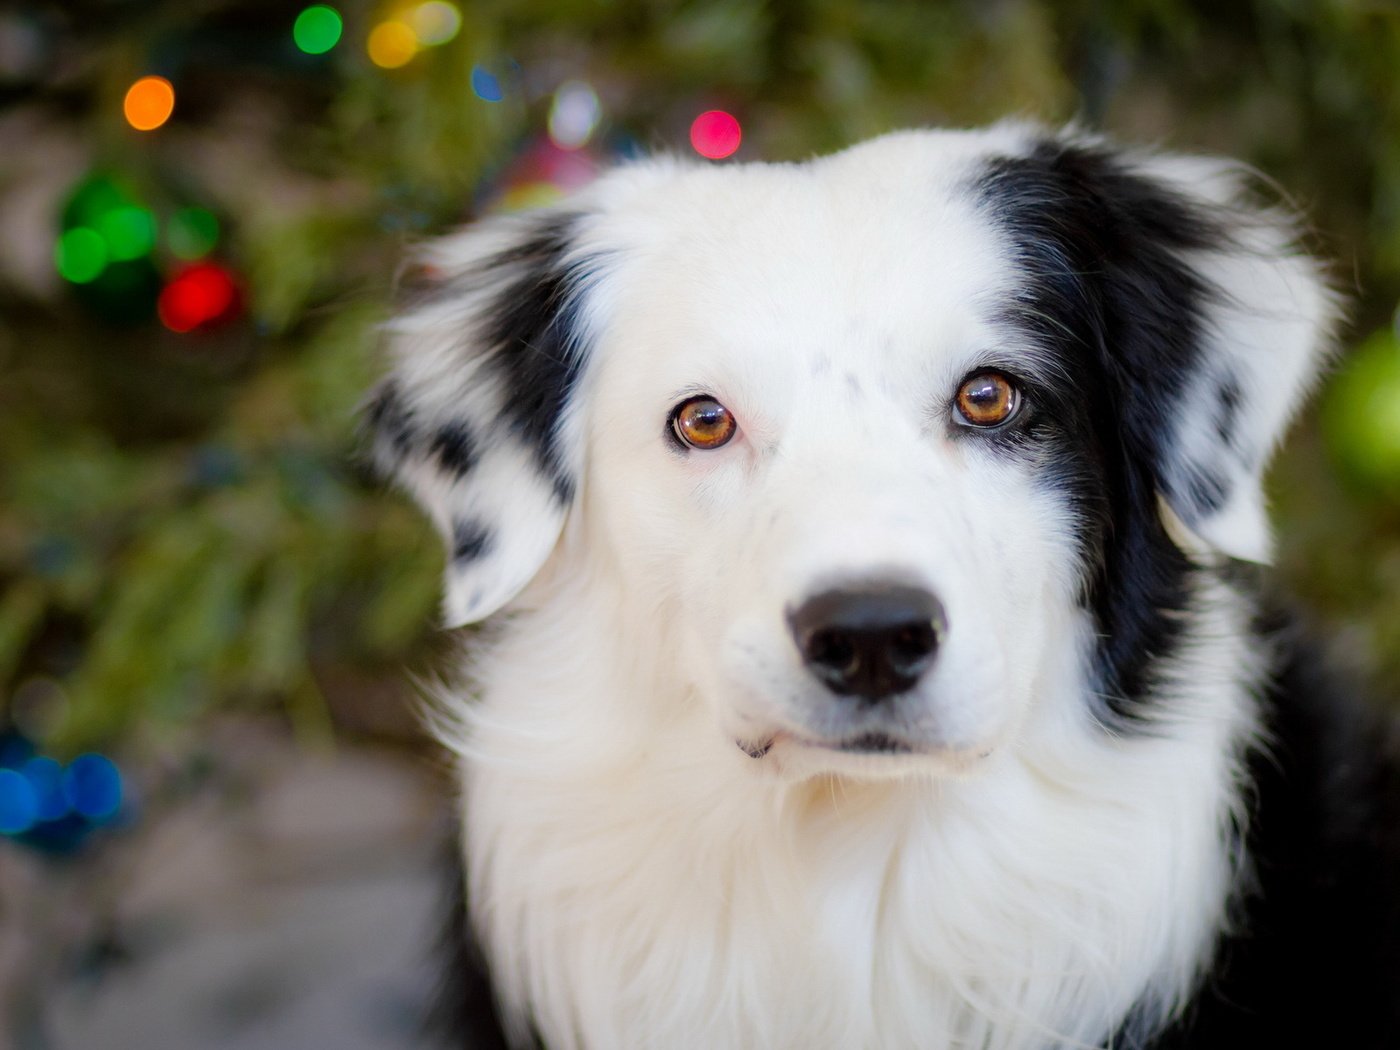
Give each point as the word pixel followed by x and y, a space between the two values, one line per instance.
pixel 205 207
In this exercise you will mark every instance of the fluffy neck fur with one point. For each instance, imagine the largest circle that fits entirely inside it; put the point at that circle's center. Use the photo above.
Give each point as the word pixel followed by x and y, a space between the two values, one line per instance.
pixel 637 881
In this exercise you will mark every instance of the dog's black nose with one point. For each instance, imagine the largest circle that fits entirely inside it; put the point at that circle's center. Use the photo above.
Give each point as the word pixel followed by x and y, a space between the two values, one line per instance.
pixel 872 642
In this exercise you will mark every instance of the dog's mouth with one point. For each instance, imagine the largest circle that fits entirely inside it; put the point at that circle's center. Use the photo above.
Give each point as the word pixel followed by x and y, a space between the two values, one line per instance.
pixel 876 744
pixel 862 744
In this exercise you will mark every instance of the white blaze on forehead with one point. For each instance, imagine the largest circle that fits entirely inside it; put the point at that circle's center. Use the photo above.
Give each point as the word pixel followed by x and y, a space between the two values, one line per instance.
pixel 752 279
pixel 833 308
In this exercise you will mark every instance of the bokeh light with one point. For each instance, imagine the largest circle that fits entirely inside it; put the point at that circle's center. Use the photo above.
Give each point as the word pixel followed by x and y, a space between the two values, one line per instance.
pixel 45 776
pixel 1361 414
pixel 80 255
pixel 435 22
pixel 198 296
pixel 149 103
pixel 192 233
pixel 573 115
pixel 715 134
pixel 391 44
pixel 317 29
pixel 93 787
pixel 487 85
pixel 130 232
pixel 19 807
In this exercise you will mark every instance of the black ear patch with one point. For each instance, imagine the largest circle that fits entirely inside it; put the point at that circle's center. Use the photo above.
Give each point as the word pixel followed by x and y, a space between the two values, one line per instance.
pixel 1170 305
pixel 538 365
pixel 472 419
pixel 390 423
pixel 454 448
pixel 1104 250
pixel 470 540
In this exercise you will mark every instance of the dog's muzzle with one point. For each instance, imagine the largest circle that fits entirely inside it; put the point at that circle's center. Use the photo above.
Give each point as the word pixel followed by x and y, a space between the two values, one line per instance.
pixel 870 643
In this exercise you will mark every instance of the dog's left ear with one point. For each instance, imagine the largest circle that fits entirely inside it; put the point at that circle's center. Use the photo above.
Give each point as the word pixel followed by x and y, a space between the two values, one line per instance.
pixel 1266 330
pixel 477 418
pixel 1209 322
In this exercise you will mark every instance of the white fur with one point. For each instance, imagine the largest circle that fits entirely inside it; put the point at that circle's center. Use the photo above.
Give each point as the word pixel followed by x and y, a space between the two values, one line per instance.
pixel 1026 877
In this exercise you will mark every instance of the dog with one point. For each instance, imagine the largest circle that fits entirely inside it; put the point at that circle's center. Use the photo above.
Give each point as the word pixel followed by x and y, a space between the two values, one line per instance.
pixel 874 652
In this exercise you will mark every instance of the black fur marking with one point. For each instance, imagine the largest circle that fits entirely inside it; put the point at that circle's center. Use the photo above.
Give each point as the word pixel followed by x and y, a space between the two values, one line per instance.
pixel 1205 490
pixel 391 422
pixel 471 541
pixel 1314 959
pixel 1227 411
pixel 1106 291
pixel 464 1014
pixel 534 333
pixel 455 448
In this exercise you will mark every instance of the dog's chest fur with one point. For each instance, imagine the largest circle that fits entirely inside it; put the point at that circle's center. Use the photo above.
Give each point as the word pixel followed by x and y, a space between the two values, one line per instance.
pixel 631 897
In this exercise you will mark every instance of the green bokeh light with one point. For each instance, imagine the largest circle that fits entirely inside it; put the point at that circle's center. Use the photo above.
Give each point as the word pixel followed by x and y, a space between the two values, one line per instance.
pixel 1361 414
pixel 317 29
pixel 192 233
pixel 130 232
pixel 80 255
pixel 92 199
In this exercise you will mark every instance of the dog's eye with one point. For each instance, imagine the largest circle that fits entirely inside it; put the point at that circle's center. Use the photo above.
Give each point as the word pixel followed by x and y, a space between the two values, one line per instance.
pixel 988 399
pixel 703 423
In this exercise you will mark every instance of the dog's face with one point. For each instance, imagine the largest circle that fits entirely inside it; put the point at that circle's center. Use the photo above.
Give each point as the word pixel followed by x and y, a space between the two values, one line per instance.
pixel 896 444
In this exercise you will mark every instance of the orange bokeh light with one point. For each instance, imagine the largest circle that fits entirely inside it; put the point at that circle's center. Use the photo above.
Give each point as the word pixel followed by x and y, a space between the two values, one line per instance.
pixel 391 45
pixel 149 103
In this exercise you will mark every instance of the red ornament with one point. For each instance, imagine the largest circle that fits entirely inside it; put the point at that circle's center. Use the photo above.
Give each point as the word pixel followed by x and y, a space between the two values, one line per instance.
pixel 198 296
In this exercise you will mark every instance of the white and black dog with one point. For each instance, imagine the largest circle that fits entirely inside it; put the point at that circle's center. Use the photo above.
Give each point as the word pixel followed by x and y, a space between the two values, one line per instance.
pixel 873 658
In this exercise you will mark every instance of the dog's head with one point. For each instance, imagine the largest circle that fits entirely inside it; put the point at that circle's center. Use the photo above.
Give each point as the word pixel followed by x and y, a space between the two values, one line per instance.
pixel 897 441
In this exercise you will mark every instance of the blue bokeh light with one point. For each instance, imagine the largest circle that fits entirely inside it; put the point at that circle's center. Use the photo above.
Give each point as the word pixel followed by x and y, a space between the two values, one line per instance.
pixel 45 776
pixel 19 806
pixel 93 787
pixel 486 85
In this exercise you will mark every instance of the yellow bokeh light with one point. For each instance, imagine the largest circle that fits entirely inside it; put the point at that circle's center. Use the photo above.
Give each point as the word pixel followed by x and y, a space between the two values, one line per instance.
pixel 148 103
pixel 391 45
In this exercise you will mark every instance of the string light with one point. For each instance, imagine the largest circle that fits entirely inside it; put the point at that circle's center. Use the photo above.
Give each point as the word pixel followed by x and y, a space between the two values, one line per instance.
pixel 198 296
pixel 435 22
pixel 391 44
pixel 80 255
pixel 149 103
pixel 52 807
pixel 573 115
pixel 317 29
pixel 93 787
pixel 715 134
pixel 18 805
pixel 129 232
pixel 45 776
pixel 486 85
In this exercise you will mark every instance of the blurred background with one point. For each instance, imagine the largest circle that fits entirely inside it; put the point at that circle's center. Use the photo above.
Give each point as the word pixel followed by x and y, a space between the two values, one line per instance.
pixel 218 819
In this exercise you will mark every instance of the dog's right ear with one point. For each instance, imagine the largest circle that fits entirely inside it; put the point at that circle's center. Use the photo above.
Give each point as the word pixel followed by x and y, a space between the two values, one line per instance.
pixel 476 419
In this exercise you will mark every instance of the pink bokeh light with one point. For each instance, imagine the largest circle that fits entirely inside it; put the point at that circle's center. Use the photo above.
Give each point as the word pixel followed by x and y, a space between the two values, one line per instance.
pixel 715 134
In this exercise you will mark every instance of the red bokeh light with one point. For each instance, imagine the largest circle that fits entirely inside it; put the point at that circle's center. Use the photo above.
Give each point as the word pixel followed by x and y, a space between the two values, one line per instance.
pixel 198 296
pixel 715 134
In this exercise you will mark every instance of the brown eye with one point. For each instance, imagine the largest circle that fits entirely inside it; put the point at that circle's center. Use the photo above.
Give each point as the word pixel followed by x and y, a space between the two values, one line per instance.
pixel 703 423
pixel 988 399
